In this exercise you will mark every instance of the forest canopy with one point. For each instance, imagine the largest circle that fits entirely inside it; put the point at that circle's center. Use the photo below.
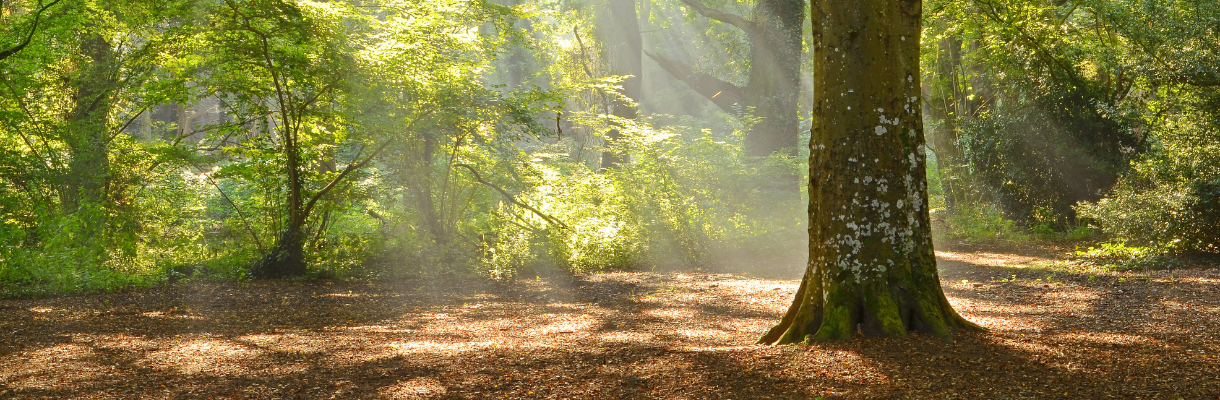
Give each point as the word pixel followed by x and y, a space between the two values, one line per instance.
pixel 149 141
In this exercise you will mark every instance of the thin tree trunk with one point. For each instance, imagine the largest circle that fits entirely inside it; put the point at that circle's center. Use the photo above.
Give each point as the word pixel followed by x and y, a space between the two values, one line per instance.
pixel 184 119
pixel 945 103
pixel 871 266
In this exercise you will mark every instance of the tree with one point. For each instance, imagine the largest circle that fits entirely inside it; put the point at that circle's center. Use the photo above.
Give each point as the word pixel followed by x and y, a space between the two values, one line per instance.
pixel 773 88
pixel 620 32
pixel 871 264
pixel 332 79
pixel 289 63
pixel 945 99
pixel 1048 97
pixel 72 94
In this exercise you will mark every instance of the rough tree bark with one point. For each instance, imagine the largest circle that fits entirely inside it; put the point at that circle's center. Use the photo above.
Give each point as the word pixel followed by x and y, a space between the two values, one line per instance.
pixel 773 88
pixel 871 266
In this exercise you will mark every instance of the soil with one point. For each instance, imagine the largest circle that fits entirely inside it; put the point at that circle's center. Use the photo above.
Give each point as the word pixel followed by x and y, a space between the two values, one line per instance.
pixel 1051 334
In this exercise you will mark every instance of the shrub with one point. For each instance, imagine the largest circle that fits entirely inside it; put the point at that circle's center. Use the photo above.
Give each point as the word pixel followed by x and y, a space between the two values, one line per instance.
pixel 975 223
pixel 687 198
pixel 1202 230
pixel 1120 256
pixel 1141 217
pixel 1175 216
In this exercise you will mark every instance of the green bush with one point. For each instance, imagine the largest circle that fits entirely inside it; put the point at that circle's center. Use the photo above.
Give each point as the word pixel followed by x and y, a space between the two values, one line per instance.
pixel 1174 216
pixel 1140 217
pixel 687 198
pixel 155 238
pixel 1120 256
pixel 974 223
pixel 1202 232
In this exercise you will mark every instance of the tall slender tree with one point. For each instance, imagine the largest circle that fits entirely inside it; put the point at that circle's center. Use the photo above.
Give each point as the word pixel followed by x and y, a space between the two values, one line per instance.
pixel 948 99
pixel 871 266
pixel 296 66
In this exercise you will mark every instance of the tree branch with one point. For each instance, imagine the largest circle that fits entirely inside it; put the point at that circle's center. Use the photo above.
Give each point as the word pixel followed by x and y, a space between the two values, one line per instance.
pixel 245 223
pixel 728 18
pixel 549 219
pixel 342 174
pixel 37 15
pixel 584 53
pixel 727 96
pixel 352 167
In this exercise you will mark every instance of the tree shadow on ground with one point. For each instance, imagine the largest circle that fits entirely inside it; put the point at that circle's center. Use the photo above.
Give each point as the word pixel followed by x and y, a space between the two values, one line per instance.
pixel 621 335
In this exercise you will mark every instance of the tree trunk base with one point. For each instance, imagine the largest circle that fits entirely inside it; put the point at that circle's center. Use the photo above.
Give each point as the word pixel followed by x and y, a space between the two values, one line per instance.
pixel 841 314
pixel 286 260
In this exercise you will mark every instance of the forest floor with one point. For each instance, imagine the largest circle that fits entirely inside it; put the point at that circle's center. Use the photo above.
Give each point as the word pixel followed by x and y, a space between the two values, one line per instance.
pixel 1052 333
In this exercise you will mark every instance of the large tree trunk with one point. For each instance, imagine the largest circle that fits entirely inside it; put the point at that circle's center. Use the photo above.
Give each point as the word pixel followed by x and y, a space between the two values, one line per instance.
pixel 871 265
pixel 286 259
pixel 625 49
pixel 775 77
pixel 88 127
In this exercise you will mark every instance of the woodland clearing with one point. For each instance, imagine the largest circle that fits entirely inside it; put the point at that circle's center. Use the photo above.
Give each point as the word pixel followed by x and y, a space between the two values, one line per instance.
pixel 1051 334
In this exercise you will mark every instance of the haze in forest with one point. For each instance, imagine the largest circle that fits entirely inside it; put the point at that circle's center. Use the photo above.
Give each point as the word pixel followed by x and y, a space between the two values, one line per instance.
pixel 148 143
pixel 609 198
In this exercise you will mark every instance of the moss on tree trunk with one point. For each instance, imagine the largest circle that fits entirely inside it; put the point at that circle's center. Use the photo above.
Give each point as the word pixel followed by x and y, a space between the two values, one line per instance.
pixel 871 266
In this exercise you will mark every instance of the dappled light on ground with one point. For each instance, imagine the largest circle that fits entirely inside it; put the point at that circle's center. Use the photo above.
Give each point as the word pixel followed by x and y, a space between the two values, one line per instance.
pixel 989 259
pixel 619 335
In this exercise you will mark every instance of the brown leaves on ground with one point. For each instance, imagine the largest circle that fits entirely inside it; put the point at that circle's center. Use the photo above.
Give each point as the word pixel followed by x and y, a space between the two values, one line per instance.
pixel 621 335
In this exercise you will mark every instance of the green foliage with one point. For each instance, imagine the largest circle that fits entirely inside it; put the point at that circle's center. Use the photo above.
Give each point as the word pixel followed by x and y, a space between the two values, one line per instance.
pixel 85 205
pixel 972 223
pixel 1203 204
pixel 604 230
pixel 982 223
pixel 454 137
pixel 688 198
pixel 143 244
pixel 1179 217
pixel 1139 215
pixel 1167 199
pixel 1039 98
pixel 1032 167
pixel 1121 257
